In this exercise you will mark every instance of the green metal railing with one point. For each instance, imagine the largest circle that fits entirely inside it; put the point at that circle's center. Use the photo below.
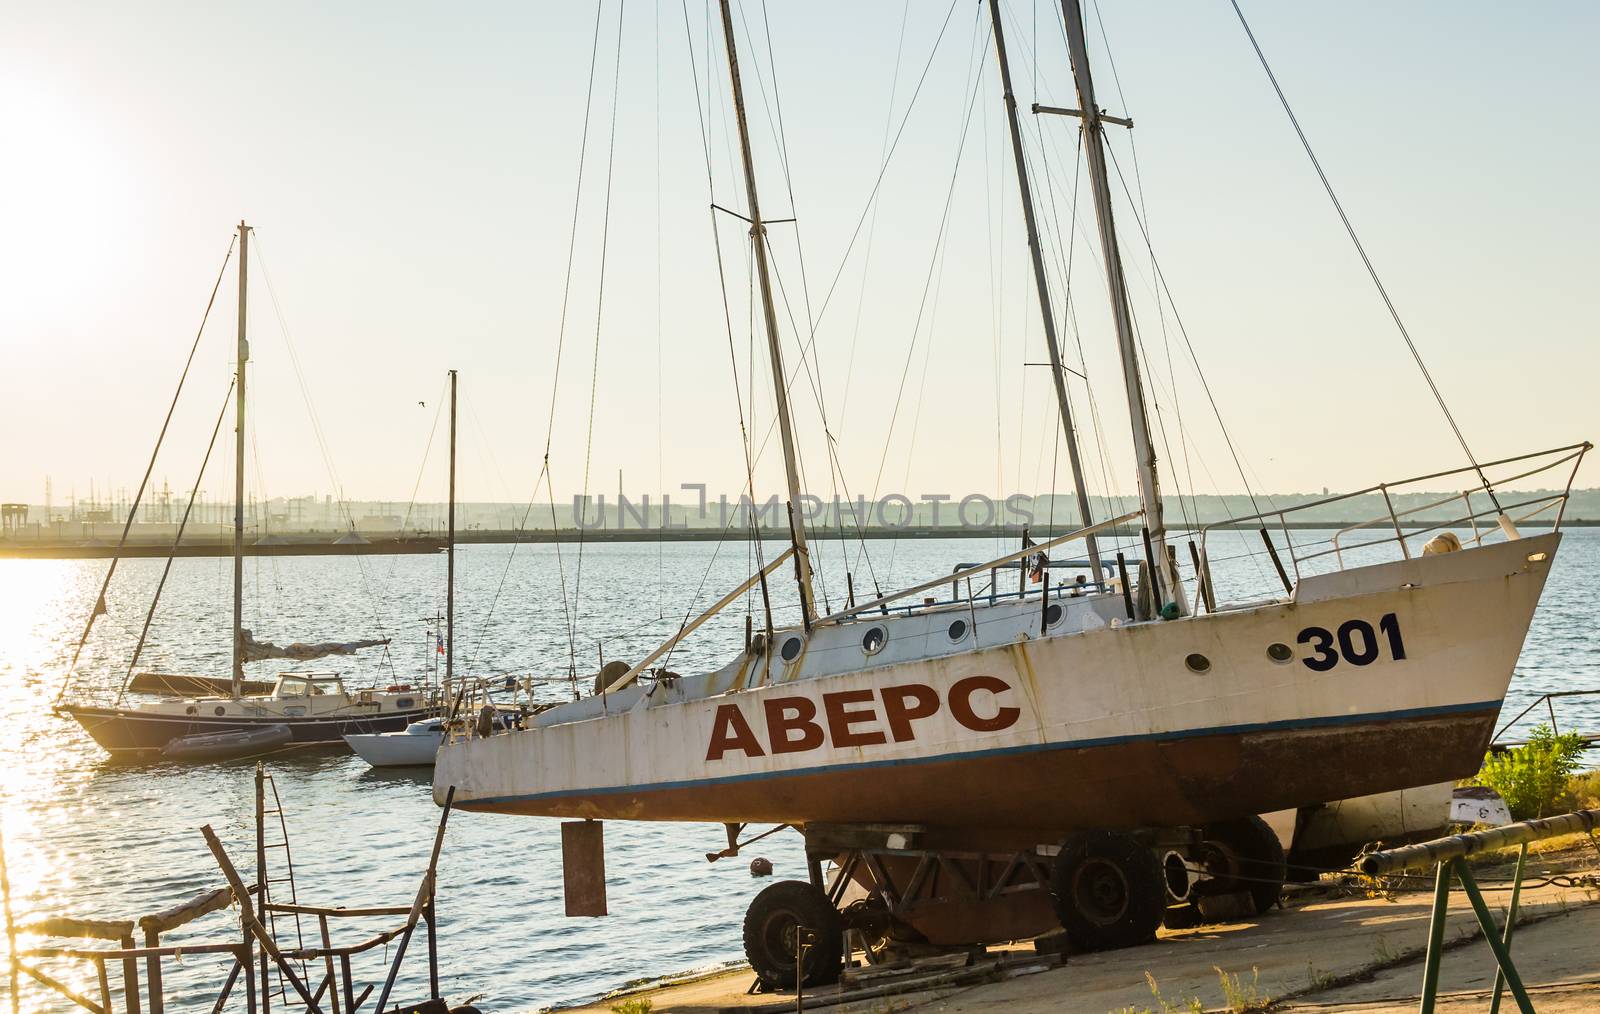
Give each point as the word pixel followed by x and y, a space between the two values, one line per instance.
pixel 1449 856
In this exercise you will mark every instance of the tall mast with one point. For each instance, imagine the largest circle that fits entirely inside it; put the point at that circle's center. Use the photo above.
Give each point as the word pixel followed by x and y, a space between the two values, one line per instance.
pixel 1116 282
pixel 243 357
pixel 450 556
pixel 758 237
pixel 1042 286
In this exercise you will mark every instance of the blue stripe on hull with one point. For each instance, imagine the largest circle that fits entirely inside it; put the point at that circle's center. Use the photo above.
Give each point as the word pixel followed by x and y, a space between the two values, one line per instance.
pixel 1288 725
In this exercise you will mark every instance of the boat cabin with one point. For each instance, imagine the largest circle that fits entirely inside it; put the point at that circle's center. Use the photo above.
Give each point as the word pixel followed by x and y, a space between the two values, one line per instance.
pixel 308 684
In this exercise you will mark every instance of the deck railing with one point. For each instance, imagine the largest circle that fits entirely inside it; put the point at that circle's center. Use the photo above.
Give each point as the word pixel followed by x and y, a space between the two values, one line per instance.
pixel 1491 514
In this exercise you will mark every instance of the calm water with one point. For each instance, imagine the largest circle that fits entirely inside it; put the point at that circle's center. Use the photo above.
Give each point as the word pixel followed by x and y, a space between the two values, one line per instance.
pixel 92 838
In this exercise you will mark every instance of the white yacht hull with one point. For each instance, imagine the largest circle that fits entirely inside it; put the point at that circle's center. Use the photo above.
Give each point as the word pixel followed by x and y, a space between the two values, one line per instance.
pixel 396 749
pixel 1101 728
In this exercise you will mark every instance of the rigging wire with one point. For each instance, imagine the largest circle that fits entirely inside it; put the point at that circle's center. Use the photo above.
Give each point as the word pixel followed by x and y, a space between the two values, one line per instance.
pixel 661 481
pixel 99 608
pixel 561 340
pixel 883 168
pixel 599 309
pixel 1144 211
pixel 755 546
pixel 872 226
pixel 975 80
pixel 1161 278
pixel 1362 251
pixel 172 554
pixel 317 433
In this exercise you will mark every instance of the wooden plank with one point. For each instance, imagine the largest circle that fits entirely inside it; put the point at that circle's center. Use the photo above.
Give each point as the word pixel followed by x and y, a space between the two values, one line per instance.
pixel 188 911
pixel 583 867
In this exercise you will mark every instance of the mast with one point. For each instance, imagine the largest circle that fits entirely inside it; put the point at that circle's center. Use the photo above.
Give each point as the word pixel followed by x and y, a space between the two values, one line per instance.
pixel 450 556
pixel 758 236
pixel 1116 283
pixel 243 357
pixel 1041 285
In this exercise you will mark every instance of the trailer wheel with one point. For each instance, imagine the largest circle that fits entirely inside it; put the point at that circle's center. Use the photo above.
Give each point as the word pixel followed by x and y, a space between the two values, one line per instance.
pixel 1249 859
pixel 1109 891
pixel 770 928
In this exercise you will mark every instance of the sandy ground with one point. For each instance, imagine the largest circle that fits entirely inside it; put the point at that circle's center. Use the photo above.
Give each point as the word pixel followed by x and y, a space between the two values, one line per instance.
pixel 1350 954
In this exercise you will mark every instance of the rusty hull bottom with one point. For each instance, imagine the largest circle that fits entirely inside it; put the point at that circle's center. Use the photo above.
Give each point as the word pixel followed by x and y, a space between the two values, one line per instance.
pixel 1031 796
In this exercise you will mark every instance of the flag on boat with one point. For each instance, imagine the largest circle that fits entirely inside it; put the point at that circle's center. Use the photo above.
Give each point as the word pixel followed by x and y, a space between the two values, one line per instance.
pixel 256 651
pixel 438 641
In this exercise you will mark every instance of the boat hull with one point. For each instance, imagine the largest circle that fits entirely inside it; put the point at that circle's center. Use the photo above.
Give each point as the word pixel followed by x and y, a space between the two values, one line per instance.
pixel 125 732
pixel 1105 728
pixel 395 750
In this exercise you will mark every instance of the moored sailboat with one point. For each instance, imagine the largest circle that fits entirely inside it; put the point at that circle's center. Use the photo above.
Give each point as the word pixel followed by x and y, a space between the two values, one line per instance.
pixel 315 706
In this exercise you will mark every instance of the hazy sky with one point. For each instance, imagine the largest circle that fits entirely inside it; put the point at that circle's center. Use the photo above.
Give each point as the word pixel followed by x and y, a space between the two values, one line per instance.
pixel 411 170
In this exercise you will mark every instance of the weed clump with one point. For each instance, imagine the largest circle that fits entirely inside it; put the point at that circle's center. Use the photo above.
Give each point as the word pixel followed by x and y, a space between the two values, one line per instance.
pixel 1533 778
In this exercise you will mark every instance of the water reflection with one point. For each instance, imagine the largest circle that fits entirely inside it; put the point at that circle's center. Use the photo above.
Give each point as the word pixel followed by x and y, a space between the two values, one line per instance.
pixel 91 837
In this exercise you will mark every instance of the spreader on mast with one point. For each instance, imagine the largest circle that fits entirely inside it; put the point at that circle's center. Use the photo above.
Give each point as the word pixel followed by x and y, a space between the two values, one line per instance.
pixel 1170 587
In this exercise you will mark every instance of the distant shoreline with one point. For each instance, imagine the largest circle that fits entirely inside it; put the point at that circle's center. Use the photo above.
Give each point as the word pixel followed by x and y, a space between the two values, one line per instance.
pixel 394 545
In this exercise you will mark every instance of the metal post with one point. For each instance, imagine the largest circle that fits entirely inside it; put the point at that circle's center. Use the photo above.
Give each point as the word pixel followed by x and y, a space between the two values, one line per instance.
pixel 130 978
pixel 105 985
pixel 152 973
pixel 243 357
pixel 261 877
pixel 327 963
pixel 1502 955
pixel 1511 923
pixel 1441 909
pixel 249 979
pixel 1042 286
pixel 1127 593
pixel 780 380
pixel 1203 590
pixel 1272 551
pixel 1399 534
pixel 428 916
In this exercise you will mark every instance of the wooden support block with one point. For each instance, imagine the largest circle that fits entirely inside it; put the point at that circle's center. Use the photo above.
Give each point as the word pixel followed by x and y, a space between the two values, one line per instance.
pixel 583 867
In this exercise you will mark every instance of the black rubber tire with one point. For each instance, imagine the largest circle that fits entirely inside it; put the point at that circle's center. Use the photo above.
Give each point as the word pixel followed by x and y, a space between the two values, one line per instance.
pixel 1258 859
pixel 769 928
pixel 1109 891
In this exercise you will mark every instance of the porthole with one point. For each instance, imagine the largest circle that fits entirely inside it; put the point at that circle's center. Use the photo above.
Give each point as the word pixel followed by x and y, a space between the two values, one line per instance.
pixel 220 710
pixel 1280 652
pixel 405 702
pixel 958 630
pixel 1052 614
pixel 791 649
pixel 191 710
pixel 873 641
pixel 1198 663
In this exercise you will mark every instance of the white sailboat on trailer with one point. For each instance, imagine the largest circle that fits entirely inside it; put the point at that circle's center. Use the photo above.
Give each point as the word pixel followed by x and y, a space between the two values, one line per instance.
pixel 1074 758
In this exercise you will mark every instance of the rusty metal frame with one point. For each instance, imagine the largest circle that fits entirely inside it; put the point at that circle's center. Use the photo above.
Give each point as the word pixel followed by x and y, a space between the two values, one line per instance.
pixel 335 984
pixel 939 876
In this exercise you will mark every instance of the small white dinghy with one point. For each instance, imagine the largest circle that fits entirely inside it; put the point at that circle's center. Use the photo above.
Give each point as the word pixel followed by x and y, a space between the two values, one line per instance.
pixel 414 747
